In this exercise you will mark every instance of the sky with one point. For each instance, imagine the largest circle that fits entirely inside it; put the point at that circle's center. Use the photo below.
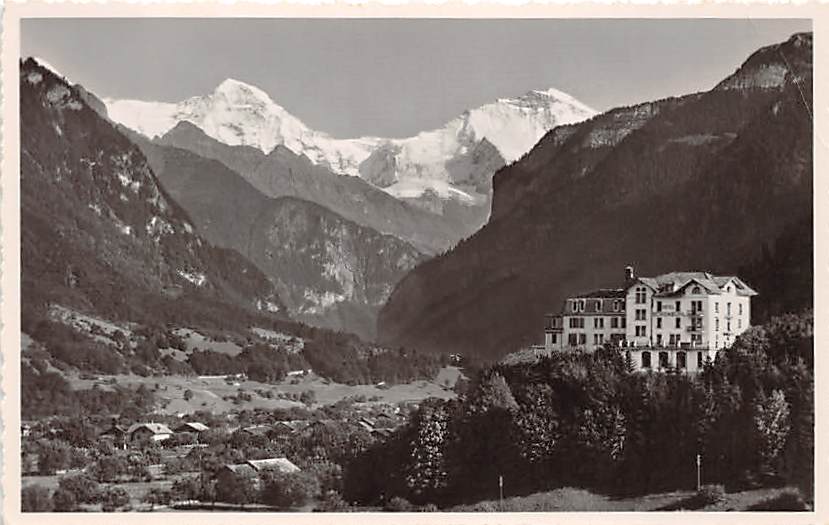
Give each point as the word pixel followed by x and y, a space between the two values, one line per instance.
pixel 397 77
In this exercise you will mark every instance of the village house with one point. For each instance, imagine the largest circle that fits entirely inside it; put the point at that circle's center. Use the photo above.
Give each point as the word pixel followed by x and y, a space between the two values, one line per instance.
pixel 676 320
pixel 117 435
pixel 149 432
pixel 252 469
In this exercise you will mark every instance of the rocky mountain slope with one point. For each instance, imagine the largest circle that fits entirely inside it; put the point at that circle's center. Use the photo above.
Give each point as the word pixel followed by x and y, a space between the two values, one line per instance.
pixel 331 272
pixel 282 173
pixel 706 181
pixel 101 235
pixel 446 172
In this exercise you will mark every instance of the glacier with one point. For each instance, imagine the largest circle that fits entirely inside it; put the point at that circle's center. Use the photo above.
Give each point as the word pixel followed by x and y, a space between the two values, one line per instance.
pixel 237 113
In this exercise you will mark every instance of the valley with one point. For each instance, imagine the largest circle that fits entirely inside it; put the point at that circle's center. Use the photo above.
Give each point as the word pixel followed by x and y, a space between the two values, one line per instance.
pixel 225 309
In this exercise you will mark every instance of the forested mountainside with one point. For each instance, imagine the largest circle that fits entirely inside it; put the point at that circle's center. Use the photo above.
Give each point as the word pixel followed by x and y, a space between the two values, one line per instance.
pixel 329 271
pixel 112 266
pixel 283 173
pixel 99 233
pixel 718 181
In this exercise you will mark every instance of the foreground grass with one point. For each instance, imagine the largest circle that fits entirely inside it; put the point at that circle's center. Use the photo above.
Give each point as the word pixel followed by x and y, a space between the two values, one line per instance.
pixel 579 500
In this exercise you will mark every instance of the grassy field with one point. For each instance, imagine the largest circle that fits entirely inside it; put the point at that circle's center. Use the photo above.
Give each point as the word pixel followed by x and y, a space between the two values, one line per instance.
pixel 210 393
pixel 575 500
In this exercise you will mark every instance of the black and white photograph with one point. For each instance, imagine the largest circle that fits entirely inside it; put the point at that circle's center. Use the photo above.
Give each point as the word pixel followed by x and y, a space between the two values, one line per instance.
pixel 448 265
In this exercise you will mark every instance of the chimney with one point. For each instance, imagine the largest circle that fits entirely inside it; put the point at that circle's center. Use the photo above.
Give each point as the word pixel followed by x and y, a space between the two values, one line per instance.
pixel 629 276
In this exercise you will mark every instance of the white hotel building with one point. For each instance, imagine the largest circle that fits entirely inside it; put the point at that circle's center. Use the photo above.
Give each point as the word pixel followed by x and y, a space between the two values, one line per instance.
pixel 675 320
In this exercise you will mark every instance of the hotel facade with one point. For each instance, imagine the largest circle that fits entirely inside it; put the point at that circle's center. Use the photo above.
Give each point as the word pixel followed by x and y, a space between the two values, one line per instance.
pixel 677 320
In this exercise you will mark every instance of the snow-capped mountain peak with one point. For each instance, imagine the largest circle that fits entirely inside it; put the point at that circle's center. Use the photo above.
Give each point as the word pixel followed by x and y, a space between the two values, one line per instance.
pixel 238 91
pixel 238 113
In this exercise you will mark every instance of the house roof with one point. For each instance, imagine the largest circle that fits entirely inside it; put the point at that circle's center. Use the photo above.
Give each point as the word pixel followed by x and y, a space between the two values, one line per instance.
pixel 242 469
pixel 280 464
pixel 601 301
pixel 192 426
pixel 155 428
pixel 114 430
pixel 257 430
pixel 602 293
pixel 669 284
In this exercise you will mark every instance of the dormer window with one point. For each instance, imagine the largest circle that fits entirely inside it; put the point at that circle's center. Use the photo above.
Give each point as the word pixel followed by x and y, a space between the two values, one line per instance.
pixel 582 302
pixel 598 305
pixel 616 306
pixel 575 306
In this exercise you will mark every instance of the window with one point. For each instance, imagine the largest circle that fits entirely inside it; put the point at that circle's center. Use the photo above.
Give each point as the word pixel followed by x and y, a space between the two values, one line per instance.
pixel 624 322
pixel 699 359
pixel 554 338
pixel 716 307
pixel 678 322
pixel 680 360
pixel 598 339
pixel 659 322
pixel 641 295
pixel 728 326
pixel 696 307
pixel 739 323
pixel 617 305
pixel 582 339
pixel 658 339
pixel 640 331
pixel 696 339
pixel 646 359
pixel 641 314
pixel 740 309
pixel 663 359
pixel 598 322
pixel 573 339
pixel 614 322
pixel 696 290
pixel 716 324
pixel 728 309
pixel 658 306
pixel 678 306
pixel 598 305
pixel 574 305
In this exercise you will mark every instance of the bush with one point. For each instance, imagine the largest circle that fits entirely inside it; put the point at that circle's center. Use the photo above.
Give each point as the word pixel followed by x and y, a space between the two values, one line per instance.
pixel 788 500
pixel 710 495
pixel 398 504
pixel 83 488
pixel 289 490
pixel 35 498
pixel 64 500
pixel 332 501
pixel 114 498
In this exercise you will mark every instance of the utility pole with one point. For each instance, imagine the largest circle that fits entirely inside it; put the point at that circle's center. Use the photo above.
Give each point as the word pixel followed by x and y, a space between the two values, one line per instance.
pixel 501 492
pixel 699 478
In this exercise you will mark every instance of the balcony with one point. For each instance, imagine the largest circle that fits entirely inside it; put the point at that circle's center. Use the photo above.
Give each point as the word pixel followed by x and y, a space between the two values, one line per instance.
pixel 693 328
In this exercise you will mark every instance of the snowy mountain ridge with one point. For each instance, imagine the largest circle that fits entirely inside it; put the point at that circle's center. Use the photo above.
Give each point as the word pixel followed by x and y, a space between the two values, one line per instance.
pixel 237 113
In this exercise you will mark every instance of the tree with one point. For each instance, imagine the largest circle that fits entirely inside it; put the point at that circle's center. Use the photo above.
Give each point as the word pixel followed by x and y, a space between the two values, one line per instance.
pixel 83 488
pixel 491 391
pixel 292 489
pixel 110 468
pixel 427 471
pixel 237 489
pixel 54 455
pixel 771 420
pixel 35 498
pixel 114 498
pixel 157 496
pixel 64 500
